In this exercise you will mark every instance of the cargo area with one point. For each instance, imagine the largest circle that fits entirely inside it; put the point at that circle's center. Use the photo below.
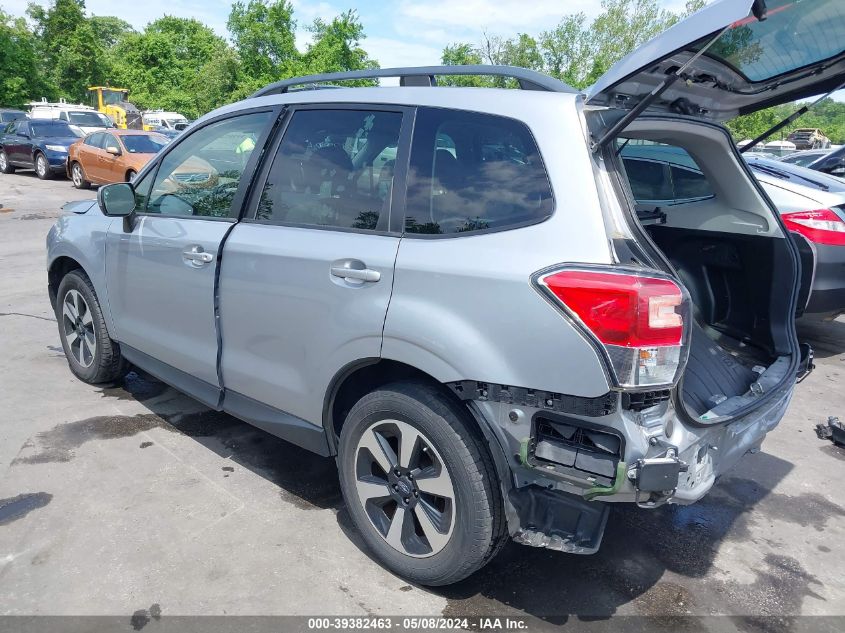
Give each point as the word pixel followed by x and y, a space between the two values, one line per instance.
pixel 694 199
pixel 732 281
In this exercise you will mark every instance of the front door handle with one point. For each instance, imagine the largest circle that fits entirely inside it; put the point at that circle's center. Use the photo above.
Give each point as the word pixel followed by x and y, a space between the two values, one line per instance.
pixel 354 269
pixel 197 256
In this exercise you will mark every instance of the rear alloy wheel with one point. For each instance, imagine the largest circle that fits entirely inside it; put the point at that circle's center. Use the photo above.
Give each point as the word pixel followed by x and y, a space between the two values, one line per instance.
pixel 78 177
pixel 91 354
pixel 405 491
pixel 5 166
pixel 419 484
pixel 42 167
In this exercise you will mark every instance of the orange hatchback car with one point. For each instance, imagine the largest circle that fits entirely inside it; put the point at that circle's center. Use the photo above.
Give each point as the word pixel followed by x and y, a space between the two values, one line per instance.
pixel 114 156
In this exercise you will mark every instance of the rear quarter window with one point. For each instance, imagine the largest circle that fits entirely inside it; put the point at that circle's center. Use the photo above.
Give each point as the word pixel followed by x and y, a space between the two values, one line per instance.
pixel 472 172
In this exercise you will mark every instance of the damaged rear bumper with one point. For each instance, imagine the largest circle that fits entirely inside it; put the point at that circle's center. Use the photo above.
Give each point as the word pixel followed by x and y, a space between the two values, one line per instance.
pixel 568 463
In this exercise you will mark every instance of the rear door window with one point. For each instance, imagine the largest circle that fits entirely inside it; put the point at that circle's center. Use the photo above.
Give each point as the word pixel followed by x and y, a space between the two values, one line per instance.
pixel 472 172
pixel 662 174
pixel 110 141
pixel 649 180
pixel 689 184
pixel 334 169
pixel 95 140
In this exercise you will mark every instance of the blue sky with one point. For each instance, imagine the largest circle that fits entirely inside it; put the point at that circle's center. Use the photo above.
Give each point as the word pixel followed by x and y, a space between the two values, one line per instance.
pixel 399 32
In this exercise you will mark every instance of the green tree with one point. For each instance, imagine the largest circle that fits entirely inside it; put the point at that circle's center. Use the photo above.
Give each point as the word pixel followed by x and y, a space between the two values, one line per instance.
pixel 337 47
pixel 567 49
pixel 263 33
pixel 71 52
pixel 575 51
pixel 161 65
pixel 217 81
pixel 21 77
pixel 109 29
pixel 462 55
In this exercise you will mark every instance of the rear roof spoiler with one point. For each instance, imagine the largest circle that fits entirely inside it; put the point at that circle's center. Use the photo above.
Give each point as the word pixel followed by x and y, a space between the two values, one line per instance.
pixel 425 76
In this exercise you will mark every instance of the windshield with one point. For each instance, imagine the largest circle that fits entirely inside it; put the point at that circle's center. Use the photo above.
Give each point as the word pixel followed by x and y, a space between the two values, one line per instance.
pixel 796 174
pixel 144 143
pixel 114 97
pixel 49 129
pixel 11 116
pixel 88 119
pixel 795 34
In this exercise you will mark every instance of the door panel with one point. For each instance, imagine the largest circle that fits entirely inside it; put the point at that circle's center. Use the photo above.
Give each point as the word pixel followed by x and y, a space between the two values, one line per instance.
pixel 90 154
pixel 162 302
pixel 19 150
pixel 106 163
pixel 161 276
pixel 304 288
pixel 287 323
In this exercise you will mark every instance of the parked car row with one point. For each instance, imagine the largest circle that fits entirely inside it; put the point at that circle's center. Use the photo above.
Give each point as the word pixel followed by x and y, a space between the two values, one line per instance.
pixel 81 141
pixel 52 147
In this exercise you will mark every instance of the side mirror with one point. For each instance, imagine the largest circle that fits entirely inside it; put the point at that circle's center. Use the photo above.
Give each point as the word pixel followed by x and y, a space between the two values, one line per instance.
pixel 113 150
pixel 118 200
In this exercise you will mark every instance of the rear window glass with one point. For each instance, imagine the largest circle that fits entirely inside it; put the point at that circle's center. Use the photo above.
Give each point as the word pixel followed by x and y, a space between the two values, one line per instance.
pixel 144 143
pixel 795 34
pixel 473 172
pixel 796 174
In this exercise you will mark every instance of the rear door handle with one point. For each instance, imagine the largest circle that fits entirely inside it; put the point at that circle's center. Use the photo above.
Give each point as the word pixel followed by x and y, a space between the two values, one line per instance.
pixel 354 269
pixel 197 255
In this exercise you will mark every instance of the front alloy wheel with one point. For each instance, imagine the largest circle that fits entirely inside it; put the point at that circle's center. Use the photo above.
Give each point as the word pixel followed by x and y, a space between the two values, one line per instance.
pixel 78 326
pixel 91 354
pixel 405 488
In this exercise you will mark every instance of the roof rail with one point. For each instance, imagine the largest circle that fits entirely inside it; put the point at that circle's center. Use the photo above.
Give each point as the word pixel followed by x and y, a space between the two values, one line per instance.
pixel 425 76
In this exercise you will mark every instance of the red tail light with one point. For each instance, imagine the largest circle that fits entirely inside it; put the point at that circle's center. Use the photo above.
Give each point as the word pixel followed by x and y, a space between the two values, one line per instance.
pixel 822 226
pixel 638 320
pixel 624 310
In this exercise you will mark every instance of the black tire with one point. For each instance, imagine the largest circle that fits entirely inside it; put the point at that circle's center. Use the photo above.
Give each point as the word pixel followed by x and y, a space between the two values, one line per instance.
pixel 105 364
pixel 479 528
pixel 42 167
pixel 5 166
pixel 130 175
pixel 78 179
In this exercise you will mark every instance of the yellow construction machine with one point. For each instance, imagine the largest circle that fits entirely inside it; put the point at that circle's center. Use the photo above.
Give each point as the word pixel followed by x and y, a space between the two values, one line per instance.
pixel 114 102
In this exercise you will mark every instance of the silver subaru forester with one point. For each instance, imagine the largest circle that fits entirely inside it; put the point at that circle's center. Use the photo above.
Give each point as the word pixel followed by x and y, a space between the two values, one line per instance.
pixel 454 291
